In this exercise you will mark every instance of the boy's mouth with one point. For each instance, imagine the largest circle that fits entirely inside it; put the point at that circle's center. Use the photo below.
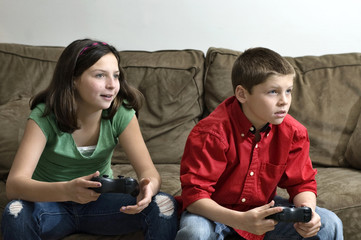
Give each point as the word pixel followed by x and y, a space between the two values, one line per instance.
pixel 281 114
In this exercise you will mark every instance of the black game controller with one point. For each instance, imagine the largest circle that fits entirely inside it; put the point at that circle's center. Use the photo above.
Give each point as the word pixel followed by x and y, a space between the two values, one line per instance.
pixel 121 185
pixel 292 214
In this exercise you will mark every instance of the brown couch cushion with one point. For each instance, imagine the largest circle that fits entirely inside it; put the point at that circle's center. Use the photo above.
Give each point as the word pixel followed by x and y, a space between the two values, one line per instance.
pixel 353 151
pixel 13 116
pixel 25 70
pixel 326 99
pixel 218 83
pixel 320 88
pixel 172 83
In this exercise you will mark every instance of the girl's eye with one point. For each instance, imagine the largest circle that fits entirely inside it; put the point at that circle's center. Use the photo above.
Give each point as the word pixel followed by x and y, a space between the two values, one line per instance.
pixel 116 76
pixel 289 91
pixel 272 92
pixel 100 75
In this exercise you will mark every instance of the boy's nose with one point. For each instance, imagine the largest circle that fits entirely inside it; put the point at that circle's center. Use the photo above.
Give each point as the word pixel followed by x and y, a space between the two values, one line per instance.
pixel 284 99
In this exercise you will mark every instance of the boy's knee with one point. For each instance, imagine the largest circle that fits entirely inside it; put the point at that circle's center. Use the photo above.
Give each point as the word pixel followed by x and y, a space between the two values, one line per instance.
pixel 165 204
pixel 193 231
pixel 330 221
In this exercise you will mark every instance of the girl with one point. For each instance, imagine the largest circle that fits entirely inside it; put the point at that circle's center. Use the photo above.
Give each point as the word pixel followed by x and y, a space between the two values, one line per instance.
pixel 69 138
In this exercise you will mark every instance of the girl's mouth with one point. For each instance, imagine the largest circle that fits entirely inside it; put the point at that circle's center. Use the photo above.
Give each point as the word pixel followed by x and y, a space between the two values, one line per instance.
pixel 107 96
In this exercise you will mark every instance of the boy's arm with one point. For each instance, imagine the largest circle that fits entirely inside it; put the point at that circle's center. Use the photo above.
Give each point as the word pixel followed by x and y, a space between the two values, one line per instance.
pixel 252 221
pixel 312 227
pixel 305 199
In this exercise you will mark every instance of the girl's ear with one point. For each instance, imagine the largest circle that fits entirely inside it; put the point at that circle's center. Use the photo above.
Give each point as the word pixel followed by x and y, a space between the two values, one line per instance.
pixel 74 83
pixel 241 94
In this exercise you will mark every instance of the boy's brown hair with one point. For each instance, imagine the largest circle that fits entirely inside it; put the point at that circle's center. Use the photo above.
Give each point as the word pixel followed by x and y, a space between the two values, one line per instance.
pixel 255 65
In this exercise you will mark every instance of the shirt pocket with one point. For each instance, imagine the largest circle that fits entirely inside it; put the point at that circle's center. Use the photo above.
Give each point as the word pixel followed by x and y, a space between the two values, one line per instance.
pixel 270 175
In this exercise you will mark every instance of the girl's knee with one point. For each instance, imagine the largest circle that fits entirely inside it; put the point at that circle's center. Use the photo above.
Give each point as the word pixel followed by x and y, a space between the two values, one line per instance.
pixel 14 209
pixel 13 216
pixel 166 204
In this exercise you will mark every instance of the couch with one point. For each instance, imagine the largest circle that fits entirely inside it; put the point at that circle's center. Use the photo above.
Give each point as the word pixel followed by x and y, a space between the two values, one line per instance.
pixel 183 86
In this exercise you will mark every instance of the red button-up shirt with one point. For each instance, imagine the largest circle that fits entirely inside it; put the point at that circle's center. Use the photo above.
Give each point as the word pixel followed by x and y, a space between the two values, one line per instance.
pixel 223 161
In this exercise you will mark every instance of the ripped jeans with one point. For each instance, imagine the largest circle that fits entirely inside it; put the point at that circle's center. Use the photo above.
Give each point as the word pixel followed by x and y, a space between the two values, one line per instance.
pixel 55 220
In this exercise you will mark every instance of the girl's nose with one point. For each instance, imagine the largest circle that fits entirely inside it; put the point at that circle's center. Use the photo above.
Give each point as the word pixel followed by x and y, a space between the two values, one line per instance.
pixel 111 82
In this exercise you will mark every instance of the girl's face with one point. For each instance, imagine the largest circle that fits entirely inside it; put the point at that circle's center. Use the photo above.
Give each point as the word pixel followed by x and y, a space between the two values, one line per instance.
pixel 98 85
pixel 269 101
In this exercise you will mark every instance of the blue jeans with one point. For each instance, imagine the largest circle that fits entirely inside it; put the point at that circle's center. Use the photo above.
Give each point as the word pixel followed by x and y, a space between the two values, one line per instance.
pixel 55 220
pixel 196 227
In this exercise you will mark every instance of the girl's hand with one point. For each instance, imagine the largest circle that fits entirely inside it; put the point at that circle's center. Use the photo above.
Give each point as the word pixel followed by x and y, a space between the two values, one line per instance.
pixel 78 189
pixel 143 199
pixel 310 228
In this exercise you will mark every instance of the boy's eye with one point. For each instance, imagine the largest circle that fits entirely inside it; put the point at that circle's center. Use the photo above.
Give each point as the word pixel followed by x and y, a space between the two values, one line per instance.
pixel 116 76
pixel 272 92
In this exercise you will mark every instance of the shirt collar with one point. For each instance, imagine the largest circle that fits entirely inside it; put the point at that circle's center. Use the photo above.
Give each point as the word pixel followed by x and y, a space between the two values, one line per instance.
pixel 240 119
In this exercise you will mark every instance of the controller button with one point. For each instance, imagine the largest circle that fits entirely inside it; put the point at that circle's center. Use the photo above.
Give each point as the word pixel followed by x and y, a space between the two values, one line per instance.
pixel 105 176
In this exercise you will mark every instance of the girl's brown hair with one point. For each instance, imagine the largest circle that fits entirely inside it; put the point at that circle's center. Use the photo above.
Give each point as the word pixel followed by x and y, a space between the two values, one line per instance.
pixel 59 96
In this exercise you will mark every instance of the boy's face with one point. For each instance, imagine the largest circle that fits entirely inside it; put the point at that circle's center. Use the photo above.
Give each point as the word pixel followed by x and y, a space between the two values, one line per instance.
pixel 269 101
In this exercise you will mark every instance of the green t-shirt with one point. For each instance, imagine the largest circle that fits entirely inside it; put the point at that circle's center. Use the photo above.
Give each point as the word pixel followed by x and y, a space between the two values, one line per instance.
pixel 62 161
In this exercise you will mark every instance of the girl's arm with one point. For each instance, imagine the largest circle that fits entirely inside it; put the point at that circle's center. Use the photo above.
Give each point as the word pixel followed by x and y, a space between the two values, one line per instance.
pixel 20 185
pixel 134 147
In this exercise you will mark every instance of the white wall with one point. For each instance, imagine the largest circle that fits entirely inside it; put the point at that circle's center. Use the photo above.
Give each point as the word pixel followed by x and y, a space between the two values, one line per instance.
pixel 293 28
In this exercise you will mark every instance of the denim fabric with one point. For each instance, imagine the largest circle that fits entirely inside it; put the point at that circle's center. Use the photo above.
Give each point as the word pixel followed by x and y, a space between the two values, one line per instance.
pixel 52 220
pixel 196 227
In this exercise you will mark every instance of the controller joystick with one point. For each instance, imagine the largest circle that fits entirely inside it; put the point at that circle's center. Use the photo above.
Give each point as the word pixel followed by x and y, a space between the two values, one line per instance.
pixel 120 185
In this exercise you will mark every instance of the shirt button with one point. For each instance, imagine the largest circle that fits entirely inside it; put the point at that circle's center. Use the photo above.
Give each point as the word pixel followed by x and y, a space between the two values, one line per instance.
pixel 251 129
pixel 243 200
pixel 251 173
pixel 267 134
pixel 256 145
pixel 242 134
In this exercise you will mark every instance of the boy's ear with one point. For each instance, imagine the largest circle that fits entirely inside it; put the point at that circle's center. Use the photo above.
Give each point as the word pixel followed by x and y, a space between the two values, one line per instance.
pixel 241 94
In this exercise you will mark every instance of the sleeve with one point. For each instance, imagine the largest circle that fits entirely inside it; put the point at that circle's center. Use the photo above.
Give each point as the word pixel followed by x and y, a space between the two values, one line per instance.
pixel 299 175
pixel 121 119
pixel 47 124
pixel 203 162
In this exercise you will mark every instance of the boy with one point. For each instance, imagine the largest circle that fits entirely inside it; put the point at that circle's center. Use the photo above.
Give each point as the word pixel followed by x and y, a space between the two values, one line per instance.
pixel 236 157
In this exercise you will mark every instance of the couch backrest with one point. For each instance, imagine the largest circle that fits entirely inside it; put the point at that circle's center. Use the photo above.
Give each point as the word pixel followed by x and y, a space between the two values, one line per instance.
pixel 326 97
pixel 24 71
pixel 172 84
pixel 181 86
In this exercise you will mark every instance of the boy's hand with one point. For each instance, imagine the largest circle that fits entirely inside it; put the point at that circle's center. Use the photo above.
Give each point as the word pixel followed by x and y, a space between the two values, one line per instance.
pixel 255 222
pixel 143 199
pixel 310 228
